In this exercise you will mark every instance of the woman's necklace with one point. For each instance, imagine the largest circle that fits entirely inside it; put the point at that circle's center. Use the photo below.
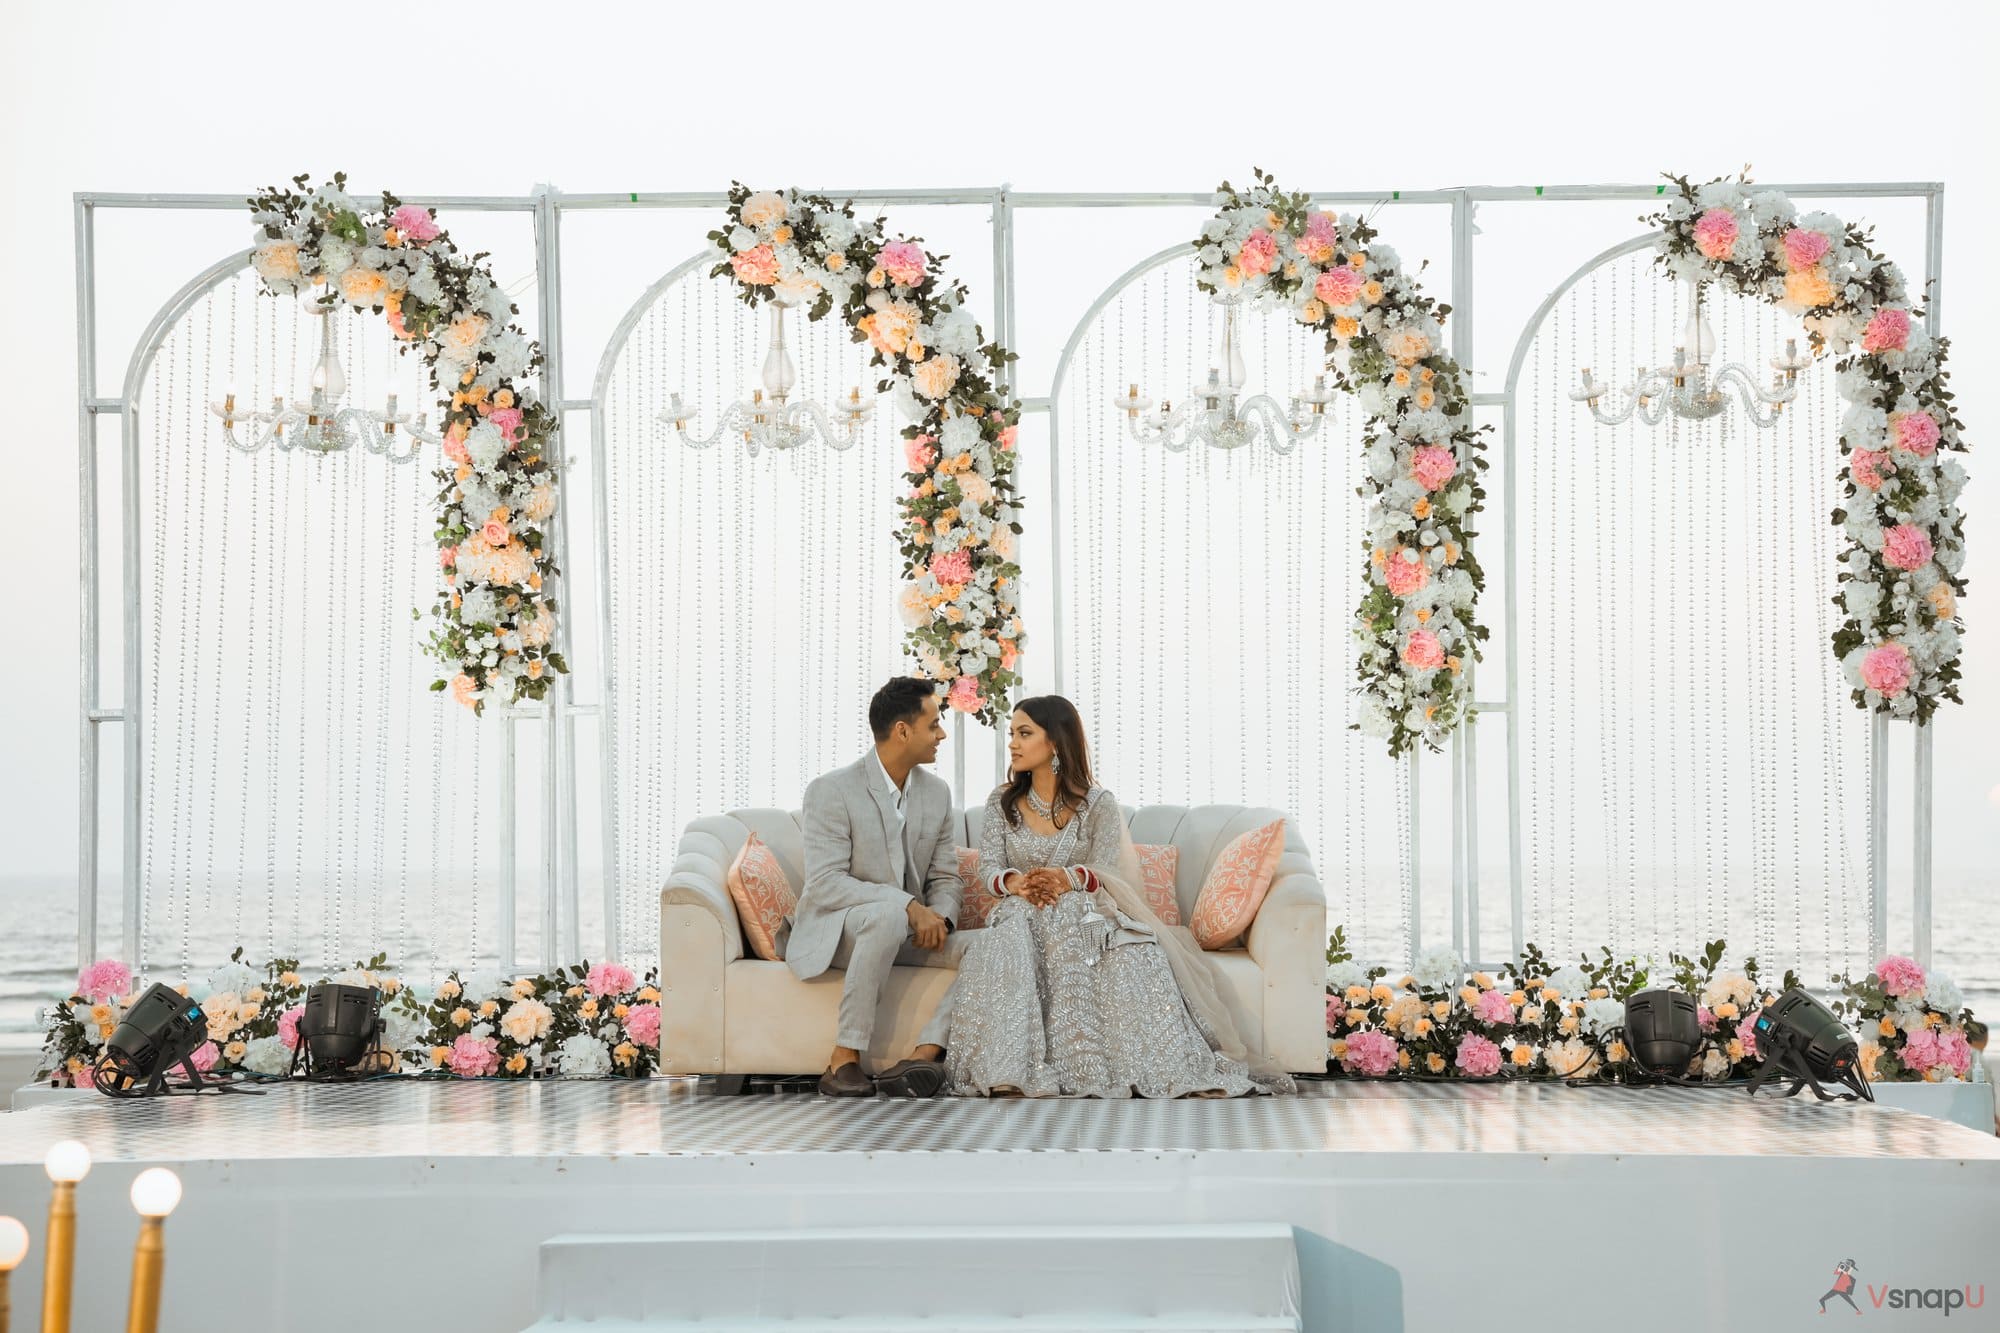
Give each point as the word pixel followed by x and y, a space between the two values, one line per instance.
pixel 1043 808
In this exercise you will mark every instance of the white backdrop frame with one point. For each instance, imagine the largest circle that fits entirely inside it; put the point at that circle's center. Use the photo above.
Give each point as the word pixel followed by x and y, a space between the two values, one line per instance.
pixel 556 801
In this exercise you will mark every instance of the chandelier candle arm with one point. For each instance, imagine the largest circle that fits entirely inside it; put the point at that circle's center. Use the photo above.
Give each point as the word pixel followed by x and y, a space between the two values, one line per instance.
pixel 769 419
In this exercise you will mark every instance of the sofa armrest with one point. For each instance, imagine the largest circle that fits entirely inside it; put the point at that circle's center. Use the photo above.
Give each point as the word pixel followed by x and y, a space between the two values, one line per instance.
pixel 1288 944
pixel 700 936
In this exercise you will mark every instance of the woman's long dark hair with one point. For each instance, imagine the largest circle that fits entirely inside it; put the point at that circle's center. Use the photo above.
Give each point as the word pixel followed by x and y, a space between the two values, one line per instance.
pixel 1058 717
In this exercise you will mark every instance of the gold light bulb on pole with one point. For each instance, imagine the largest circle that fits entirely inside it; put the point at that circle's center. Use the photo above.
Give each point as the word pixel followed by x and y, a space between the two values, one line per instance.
pixel 13 1249
pixel 67 1163
pixel 154 1195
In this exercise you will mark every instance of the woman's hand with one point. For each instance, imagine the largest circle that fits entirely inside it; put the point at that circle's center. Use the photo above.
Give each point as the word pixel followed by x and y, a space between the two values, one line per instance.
pixel 1042 886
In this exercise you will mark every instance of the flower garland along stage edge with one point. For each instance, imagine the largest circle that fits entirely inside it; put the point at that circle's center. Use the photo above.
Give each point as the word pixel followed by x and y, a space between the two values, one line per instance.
pixel 1903 571
pixel 1415 625
pixel 496 610
pixel 580 1021
pixel 1537 1018
pixel 961 514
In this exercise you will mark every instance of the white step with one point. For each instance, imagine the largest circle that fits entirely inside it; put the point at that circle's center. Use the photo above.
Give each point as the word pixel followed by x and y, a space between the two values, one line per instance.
pixel 1224 1278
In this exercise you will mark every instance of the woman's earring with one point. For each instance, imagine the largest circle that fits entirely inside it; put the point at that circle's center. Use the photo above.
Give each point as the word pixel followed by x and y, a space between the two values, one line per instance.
pixel 1055 763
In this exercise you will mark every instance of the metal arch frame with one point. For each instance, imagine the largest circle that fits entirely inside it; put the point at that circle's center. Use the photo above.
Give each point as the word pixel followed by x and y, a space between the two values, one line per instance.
pixel 559 797
pixel 600 500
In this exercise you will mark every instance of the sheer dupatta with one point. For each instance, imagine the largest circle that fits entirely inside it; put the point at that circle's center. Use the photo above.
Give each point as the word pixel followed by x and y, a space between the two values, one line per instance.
pixel 1200 980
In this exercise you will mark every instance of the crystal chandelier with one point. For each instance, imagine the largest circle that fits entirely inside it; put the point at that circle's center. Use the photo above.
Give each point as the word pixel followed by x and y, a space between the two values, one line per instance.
pixel 323 426
pixel 1689 388
pixel 769 419
pixel 1212 413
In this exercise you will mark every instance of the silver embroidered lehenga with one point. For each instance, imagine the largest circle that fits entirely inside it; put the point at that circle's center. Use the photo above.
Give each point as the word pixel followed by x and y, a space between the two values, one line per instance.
pixel 1092 996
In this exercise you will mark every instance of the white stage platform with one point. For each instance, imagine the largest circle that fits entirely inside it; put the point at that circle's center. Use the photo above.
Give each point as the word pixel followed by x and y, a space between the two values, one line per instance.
pixel 1410 1207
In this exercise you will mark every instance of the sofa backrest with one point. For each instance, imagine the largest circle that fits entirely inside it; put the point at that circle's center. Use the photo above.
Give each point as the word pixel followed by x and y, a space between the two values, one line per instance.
pixel 1200 831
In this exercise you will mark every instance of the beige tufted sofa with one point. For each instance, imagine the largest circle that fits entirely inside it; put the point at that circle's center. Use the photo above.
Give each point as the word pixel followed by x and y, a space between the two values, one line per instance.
pixel 726 1011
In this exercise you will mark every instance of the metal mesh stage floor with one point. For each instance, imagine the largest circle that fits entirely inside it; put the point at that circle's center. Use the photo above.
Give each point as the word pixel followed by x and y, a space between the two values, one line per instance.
pixel 619 1119
pixel 1412 1206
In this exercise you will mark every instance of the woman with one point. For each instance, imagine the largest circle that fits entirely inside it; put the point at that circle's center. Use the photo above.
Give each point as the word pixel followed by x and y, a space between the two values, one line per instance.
pixel 1076 987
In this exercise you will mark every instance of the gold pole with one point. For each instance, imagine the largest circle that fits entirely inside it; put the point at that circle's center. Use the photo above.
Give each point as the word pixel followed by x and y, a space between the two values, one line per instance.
pixel 60 1261
pixel 6 1302
pixel 149 1259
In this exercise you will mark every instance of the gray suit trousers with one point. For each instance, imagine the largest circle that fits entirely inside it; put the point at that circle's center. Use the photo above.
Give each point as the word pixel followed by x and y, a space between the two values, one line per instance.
pixel 875 937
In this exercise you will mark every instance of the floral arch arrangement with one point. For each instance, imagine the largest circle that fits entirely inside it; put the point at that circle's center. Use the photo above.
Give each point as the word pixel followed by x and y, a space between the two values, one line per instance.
pixel 1416 623
pixel 1903 570
pixel 496 610
pixel 961 515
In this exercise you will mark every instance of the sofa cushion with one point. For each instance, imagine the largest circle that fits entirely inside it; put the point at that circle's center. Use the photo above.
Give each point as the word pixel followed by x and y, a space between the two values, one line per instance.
pixel 762 894
pixel 1157 864
pixel 1235 886
pixel 975 903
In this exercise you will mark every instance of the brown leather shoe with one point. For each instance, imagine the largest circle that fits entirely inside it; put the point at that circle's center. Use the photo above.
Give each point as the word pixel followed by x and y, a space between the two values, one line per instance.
pixel 911 1078
pixel 846 1081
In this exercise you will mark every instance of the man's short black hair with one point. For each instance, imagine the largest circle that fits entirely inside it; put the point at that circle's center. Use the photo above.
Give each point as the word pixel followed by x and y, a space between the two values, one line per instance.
pixel 901 700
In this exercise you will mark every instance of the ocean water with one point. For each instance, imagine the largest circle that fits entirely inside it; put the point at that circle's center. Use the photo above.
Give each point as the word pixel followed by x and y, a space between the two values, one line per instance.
pixel 38 940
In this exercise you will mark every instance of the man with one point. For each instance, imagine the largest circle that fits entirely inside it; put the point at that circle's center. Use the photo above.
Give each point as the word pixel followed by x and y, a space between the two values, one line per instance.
pixel 881 888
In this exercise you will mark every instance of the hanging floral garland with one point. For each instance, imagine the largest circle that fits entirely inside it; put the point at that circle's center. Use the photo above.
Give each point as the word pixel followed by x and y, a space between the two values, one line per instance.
pixel 496 611
pixel 1903 570
pixel 1385 340
pixel 961 515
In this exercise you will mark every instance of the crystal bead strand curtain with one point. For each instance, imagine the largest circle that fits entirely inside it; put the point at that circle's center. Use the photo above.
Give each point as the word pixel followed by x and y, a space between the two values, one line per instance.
pixel 1692 767
pixel 304 791
pixel 752 599
pixel 1207 601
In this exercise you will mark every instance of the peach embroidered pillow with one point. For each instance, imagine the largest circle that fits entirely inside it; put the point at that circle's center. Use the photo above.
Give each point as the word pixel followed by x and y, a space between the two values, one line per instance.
pixel 764 897
pixel 975 903
pixel 1157 865
pixel 1236 886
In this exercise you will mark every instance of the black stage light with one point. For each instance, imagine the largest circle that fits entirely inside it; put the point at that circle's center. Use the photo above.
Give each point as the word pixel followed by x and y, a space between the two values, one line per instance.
pixel 1801 1039
pixel 163 1028
pixel 1662 1030
pixel 338 1031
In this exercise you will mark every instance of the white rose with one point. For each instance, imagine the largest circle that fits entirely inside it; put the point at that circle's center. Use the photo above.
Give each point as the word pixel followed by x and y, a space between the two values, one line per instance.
pixel 583 1056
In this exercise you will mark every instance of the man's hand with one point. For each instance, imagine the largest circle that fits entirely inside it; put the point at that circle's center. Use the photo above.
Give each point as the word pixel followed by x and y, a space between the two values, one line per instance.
pixel 926 926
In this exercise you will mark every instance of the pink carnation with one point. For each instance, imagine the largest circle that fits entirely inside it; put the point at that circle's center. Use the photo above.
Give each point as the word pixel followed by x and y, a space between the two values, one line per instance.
pixel 1423 651
pixel 1805 247
pixel 1746 1032
pixel 1405 576
pixel 1715 233
pixel 1889 331
pixel 1706 1017
pixel 1906 546
pixel 288 1026
pixel 965 696
pixel 903 261
pixel 1494 1007
pixel 507 420
pixel 205 1056
pixel 609 979
pixel 1866 466
pixel 1900 976
pixel 105 979
pixel 1433 467
pixel 447 556
pixel 416 224
pixel 642 1023
pixel 1888 671
pixel 1920 1050
pixel 1258 253
pixel 1007 436
pixel 1955 1050
pixel 474 1057
pixel 1369 1052
pixel 454 449
pixel 919 453
pixel 758 265
pixel 952 567
pixel 1320 227
pixel 1478 1057
pixel 1334 1009
pixel 1917 432
pixel 1339 286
